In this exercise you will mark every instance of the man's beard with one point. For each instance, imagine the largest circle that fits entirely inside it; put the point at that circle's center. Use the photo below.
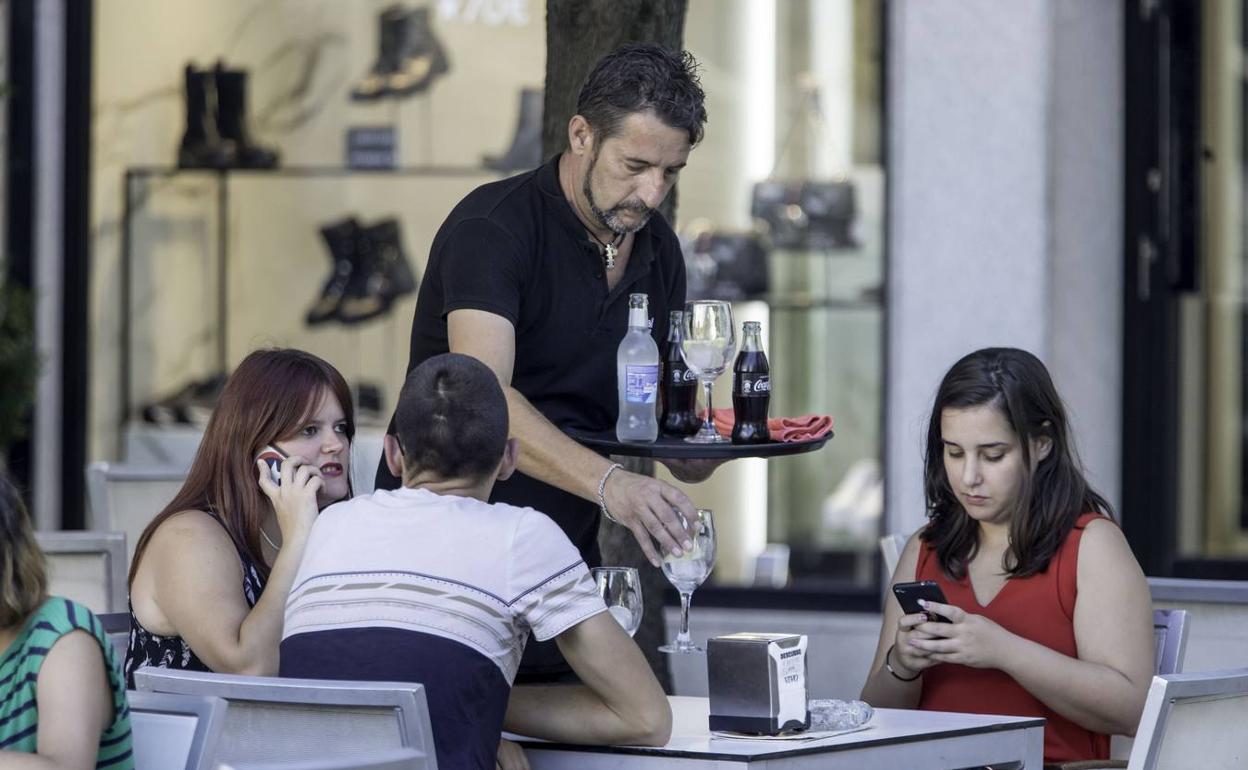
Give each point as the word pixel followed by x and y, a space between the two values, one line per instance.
pixel 610 218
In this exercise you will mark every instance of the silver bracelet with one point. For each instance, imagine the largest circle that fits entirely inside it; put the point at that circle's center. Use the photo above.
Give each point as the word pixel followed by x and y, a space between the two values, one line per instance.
pixel 602 488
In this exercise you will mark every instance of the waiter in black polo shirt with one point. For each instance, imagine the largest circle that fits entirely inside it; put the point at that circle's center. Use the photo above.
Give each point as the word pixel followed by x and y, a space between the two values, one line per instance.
pixel 532 275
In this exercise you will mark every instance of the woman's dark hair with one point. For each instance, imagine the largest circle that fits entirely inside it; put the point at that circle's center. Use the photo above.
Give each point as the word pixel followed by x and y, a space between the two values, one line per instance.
pixel 643 77
pixel 23 574
pixel 1050 498
pixel 268 398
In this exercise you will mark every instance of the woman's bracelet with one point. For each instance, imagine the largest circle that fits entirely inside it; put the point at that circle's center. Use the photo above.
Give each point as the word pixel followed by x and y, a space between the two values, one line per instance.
pixel 893 671
pixel 602 488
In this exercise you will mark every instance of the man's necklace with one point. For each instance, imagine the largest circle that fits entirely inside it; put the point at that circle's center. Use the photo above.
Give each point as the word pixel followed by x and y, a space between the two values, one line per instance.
pixel 609 250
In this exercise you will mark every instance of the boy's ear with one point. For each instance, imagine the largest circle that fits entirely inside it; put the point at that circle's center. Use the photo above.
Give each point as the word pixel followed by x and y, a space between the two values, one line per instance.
pixel 511 454
pixel 394 454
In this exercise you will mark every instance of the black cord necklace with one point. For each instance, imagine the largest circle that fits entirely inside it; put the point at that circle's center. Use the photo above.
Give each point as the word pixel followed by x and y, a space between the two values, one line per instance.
pixel 609 250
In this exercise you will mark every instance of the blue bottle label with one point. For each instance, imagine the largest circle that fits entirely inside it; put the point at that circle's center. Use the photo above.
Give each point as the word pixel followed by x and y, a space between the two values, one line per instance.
pixel 641 384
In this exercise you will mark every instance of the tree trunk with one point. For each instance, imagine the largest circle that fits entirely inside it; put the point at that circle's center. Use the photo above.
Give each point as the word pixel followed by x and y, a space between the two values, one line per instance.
pixel 578 34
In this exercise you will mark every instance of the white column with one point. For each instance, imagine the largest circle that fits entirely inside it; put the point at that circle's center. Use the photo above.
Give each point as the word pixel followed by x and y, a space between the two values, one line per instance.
pixel 49 173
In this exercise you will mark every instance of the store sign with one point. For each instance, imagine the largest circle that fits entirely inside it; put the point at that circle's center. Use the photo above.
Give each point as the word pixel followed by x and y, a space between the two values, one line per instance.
pixel 492 13
pixel 372 147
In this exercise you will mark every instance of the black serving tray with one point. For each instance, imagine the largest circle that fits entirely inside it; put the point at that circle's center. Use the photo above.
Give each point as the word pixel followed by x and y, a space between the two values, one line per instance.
pixel 666 447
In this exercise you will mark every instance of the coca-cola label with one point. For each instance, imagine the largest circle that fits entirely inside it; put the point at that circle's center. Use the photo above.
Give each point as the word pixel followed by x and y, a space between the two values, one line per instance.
pixel 679 375
pixel 754 384
pixel 641 384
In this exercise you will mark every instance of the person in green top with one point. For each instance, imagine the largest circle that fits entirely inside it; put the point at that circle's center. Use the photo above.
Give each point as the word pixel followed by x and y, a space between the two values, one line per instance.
pixel 62 695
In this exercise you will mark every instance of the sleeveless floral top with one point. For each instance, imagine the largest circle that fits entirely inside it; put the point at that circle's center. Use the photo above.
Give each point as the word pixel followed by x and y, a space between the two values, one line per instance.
pixel 148 649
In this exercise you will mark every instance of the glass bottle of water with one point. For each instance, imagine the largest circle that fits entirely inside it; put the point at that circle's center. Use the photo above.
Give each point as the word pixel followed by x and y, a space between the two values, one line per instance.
pixel 637 376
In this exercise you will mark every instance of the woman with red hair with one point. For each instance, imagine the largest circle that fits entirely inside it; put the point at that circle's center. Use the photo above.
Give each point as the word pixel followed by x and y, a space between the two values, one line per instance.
pixel 211 572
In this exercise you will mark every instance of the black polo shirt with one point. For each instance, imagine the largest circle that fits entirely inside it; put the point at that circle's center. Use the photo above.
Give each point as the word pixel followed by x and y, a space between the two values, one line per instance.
pixel 515 248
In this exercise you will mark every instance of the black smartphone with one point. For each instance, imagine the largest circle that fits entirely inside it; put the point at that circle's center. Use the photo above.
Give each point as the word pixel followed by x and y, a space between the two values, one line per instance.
pixel 909 594
pixel 273 457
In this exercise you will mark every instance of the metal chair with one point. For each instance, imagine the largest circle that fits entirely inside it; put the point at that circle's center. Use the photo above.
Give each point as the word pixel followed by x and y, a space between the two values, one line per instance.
pixel 88 567
pixel 1170 635
pixel 172 732
pixel 271 719
pixel 117 629
pixel 1194 720
pixel 125 498
pixel 397 759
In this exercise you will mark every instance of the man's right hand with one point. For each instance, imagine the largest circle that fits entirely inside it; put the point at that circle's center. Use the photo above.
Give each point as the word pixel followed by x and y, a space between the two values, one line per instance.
pixel 652 510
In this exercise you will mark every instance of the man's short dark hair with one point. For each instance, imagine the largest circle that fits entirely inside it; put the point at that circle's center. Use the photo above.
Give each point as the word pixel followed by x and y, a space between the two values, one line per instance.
pixel 452 418
pixel 642 77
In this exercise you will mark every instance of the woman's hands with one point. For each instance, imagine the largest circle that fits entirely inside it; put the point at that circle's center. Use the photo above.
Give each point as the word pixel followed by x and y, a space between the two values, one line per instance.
pixel 294 501
pixel 967 639
pixel 907 659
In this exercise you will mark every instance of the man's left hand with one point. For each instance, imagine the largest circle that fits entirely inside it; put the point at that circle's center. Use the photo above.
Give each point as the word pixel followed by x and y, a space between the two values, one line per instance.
pixel 692 471
pixel 510 757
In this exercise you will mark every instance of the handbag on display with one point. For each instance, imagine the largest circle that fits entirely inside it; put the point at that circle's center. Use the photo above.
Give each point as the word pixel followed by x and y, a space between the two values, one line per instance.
pixel 727 266
pixel 806 214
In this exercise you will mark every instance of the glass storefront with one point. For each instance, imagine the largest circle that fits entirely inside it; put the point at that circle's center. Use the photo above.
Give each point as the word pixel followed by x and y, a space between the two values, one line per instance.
pixel 194 268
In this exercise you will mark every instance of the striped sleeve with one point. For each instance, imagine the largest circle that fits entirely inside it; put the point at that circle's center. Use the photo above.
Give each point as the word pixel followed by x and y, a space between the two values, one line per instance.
pixel 549 581
pixel 19 714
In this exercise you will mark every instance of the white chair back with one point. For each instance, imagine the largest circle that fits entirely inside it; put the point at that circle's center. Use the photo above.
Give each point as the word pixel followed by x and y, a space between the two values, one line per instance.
pixel 125 498
pixel 396 759
pixel 1194 720
pixel 1170 635
pixel 87 567
pixel 117 629
pixel 273 719
pixel 175 732
pixel 891 547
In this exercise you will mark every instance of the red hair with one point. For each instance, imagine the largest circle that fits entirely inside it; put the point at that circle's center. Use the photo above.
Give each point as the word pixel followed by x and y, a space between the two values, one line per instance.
pixel 268 398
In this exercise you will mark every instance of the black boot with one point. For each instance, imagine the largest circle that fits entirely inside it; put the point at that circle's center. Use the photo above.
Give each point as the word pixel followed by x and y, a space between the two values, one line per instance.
pixel 526 146
pixel 232 120
pixel 201 145
pixel 391 37
pixel 342 238
pixel 423 57
pixel 382 274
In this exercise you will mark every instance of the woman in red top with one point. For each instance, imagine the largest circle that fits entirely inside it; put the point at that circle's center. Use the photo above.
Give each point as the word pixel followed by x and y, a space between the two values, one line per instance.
pixel 1050 613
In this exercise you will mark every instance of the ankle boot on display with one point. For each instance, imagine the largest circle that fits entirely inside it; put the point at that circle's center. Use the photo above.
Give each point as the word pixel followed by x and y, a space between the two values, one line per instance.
pixel 202 146
pixel 382 274
pixel 232 119
pixel 342 238
pixel 526 146
pixel 423 57
pixel 391 37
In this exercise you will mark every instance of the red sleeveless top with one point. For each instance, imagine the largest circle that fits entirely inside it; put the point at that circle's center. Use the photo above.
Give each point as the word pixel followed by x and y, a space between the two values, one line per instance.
pixel 1040 608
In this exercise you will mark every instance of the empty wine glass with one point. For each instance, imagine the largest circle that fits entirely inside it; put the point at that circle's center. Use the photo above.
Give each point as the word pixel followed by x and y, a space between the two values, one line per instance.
pixel 687 571
pixel 708 345
pixel 620 589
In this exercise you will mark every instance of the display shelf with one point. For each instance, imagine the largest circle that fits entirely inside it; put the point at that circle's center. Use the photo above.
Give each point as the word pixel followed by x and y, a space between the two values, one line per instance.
pixel 313 170
pixel 134 180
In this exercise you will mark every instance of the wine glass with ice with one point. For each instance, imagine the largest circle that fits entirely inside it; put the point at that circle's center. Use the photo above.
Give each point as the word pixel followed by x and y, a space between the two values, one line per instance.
pixel 687 571
pixel 708 345
pixel 620 589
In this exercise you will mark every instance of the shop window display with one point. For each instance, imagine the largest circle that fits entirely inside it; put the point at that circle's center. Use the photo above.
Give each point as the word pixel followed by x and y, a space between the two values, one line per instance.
pixel 253 230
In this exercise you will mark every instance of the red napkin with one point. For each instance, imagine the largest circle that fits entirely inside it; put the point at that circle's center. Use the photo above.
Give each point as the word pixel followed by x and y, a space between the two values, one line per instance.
pixel 788 429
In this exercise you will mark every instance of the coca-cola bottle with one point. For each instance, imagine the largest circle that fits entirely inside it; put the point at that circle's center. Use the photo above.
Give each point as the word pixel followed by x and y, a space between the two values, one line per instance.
pixel 679 391
pixel 751 389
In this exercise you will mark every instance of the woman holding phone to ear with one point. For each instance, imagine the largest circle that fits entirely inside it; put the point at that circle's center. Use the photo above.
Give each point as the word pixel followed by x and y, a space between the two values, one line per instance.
pixel 1049 611
pixel 211 572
